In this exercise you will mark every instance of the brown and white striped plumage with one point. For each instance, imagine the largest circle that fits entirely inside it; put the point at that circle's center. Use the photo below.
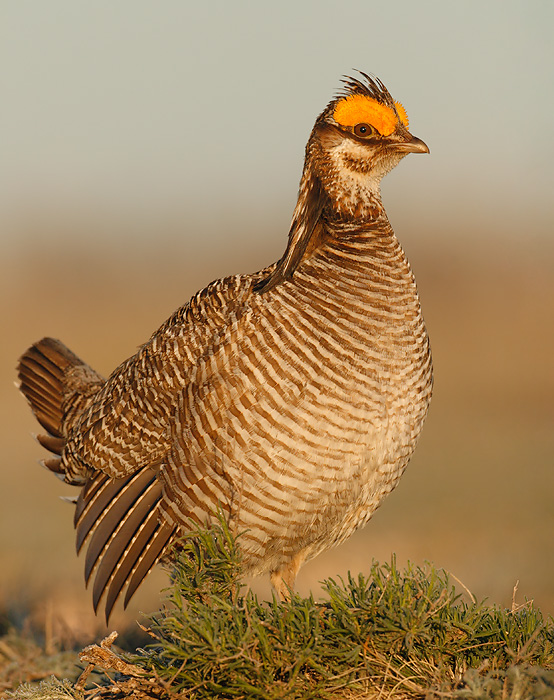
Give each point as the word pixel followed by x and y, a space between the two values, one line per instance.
pixel 292 398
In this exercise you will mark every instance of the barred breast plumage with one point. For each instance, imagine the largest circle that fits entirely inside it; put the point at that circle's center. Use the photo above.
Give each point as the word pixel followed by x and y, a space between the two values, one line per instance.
pixel 291 398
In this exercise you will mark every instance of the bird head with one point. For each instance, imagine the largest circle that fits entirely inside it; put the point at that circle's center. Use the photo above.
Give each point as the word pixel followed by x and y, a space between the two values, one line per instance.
pixel 358 138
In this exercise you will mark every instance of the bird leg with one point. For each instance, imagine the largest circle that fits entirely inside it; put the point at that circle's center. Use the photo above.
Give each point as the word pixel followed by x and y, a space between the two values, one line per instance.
pixel 283 578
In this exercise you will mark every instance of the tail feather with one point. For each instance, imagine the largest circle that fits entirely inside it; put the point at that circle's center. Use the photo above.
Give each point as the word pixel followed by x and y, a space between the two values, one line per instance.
pixel 54 464
pixel 42 371
pixel 58 386
pixel 52 443
pixel 118 519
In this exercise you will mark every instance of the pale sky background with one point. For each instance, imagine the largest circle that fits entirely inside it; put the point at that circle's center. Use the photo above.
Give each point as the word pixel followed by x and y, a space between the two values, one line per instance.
pixel 135 110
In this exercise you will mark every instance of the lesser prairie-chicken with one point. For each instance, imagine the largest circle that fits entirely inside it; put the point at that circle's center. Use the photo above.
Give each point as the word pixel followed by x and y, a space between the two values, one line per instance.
pixel 291 398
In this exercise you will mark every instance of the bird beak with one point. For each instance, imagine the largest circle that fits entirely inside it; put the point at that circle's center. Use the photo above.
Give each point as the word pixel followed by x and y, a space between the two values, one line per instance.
pixel 414 145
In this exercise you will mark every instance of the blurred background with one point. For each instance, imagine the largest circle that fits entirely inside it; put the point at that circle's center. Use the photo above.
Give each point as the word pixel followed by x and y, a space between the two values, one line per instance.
pixel 148 148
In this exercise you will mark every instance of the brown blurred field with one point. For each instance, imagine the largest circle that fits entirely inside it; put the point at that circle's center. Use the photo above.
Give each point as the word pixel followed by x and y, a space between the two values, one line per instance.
pixel 478 497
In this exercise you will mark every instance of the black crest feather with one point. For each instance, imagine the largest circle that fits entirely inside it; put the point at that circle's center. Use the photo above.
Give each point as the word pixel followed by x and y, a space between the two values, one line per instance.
pixel 370 86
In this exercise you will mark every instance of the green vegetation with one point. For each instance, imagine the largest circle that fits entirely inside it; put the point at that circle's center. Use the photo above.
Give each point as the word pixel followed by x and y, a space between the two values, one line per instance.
pixel 392 634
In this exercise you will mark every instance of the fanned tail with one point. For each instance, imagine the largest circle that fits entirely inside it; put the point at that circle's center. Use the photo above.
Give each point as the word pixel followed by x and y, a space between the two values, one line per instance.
pixel 58 386
pixel 117 519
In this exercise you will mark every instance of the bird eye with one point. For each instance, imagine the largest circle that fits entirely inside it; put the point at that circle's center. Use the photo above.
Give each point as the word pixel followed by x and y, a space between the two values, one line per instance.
pixel 363 130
